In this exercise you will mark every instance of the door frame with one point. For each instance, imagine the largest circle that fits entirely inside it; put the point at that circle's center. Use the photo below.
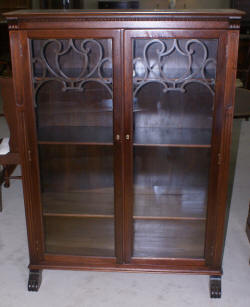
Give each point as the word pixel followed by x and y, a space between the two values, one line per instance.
pixel 22 74
pixel 215 213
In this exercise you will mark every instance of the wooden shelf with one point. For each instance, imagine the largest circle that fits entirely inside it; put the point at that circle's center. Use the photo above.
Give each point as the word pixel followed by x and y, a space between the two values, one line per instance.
pixel 169 239
pixel 74 143
pixel 99 203
pixel 80 215
pixel 80 203
pixel 163 203
pixel 75 135
pixel 175 137
pixel 77 236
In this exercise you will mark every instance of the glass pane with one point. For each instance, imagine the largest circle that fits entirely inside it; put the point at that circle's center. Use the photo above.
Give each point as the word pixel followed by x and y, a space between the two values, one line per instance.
pixel 173 90
pixel 73 91
pixel 77 236
pixel 166 238
pixel 74 178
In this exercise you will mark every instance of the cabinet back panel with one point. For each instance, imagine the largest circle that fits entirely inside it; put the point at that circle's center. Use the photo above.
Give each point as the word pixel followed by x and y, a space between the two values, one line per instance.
pixel 175 168
pixel 169 239
pixel 91 107
pixel 79 236
pixel 88 202
pixel 193 109
pixel 173 82
pixel 73 89
pixel 165 202
pixel 69 168
pixel 173 108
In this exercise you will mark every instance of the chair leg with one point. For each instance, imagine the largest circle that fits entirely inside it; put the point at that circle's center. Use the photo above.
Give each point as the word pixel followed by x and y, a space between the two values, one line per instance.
pixel 1 182
pixel 1 201
pixel 5 173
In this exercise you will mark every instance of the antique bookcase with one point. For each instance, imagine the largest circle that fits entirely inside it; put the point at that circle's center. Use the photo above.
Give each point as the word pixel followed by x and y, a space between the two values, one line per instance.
pixel 124 126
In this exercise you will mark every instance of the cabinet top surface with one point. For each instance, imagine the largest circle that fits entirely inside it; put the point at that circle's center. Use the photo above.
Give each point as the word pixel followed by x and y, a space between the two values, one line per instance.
pixel 132 13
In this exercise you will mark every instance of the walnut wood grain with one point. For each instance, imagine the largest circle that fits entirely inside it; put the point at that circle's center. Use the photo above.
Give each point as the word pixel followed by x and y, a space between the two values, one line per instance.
pixel 167 239
pixel 95 201
pixel 79 236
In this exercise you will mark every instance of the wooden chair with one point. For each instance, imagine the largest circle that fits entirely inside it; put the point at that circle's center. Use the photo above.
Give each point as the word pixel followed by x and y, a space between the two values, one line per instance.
pixel 9 158
pixel 248 226
pixel 242 103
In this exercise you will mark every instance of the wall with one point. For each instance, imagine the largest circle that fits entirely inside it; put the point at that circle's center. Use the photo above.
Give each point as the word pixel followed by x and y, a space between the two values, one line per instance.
pixel 162 4
pixel 36 3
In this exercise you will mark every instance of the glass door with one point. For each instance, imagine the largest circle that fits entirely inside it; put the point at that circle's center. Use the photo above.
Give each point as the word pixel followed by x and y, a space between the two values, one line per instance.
pixel 73 86
pixel 173 104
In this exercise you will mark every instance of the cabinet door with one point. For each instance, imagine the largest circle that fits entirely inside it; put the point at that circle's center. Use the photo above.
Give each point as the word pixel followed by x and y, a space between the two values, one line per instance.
pixel 171 86
pixel 76 115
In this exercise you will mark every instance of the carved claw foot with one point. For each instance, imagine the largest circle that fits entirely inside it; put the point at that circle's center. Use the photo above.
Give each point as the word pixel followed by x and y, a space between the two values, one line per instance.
pixel 7 184
pixel 35 279
pixel 215 286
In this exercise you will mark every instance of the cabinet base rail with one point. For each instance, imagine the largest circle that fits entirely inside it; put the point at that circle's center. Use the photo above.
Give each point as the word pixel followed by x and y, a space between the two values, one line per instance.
pixel 35 276
pixel 130 268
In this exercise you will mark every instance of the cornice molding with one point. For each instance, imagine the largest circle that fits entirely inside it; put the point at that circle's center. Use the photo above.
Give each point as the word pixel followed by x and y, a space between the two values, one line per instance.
pixel 13 23
pixel 123 18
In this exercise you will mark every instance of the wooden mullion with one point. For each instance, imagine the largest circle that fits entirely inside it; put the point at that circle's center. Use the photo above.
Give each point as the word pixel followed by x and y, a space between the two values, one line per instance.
pixel 128 146
pixel 117 131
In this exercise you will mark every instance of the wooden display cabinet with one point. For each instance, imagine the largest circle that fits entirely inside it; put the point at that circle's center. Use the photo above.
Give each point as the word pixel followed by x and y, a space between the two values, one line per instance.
pixel 124 127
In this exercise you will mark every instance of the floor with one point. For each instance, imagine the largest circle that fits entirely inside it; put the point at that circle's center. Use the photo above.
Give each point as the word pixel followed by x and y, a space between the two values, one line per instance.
pixel 95 289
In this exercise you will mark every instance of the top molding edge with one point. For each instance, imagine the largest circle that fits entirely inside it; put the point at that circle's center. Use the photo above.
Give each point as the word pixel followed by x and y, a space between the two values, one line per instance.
pixel 229 13
pixel 17 18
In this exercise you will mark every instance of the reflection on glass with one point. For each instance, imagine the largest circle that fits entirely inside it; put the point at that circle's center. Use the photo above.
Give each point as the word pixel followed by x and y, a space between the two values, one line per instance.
pixel 73 89
pixel 173 88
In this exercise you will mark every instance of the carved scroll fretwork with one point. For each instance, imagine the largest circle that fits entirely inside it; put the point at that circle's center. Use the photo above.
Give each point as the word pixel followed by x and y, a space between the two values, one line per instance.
pixel 154 69
pixel 88 68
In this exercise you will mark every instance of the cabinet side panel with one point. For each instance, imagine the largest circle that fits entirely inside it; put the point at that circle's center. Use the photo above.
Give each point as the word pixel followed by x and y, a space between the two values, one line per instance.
pixel 228 108
pixel 21 81
pixel 225 93
pixel 215 153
